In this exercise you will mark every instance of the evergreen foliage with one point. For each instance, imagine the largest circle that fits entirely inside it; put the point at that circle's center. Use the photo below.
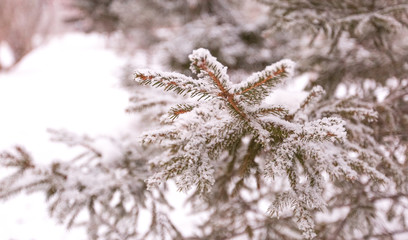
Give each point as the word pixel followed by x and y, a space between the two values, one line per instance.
pixel 279 144
pixel 224 38
pixel 330 168
pixel 233 152
pixel 349 41
pixel 218 25
pixel 105 191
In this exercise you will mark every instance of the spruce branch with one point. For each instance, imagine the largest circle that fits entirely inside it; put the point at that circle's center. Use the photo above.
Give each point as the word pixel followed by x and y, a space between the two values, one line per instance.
pixel 109 190
pixel 208 68
pixel 314 96
pixel 228 148
pixel 20 159
pixel 143 104
pixel 298 150
pixel 259 85
pixel 179 109
pixel 176 82
pixel 279 111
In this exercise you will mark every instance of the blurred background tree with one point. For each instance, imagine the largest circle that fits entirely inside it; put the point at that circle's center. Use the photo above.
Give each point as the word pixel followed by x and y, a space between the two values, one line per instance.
pixel 24 25
pixel 348 41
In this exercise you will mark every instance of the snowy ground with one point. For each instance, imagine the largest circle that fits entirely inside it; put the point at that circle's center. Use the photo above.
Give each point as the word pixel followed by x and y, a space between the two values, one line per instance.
pixel 70 83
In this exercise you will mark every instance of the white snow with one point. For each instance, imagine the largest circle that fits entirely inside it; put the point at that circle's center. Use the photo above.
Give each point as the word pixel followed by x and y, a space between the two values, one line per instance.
pixel 70 83
pixel 6 55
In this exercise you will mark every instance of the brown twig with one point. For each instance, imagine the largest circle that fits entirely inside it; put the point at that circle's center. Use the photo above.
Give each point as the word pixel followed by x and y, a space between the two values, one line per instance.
pixel 277 72
pixel 224 93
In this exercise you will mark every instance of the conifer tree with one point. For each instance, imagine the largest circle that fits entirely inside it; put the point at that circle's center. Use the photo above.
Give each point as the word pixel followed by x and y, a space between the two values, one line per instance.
pixel 22 28
pixel 218 25
pixel 101 190
pixel 359 45
pixel 348 41
pixel 329 169
pixel 232 151
pixel 224 27
pixel 278 144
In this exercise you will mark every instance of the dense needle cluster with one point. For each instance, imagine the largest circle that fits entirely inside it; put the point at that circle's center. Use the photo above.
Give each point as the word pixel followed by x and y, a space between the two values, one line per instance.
pixel 281 143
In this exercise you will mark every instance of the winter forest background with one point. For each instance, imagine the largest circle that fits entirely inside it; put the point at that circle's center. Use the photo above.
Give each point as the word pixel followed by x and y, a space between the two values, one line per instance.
pixel 203 119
